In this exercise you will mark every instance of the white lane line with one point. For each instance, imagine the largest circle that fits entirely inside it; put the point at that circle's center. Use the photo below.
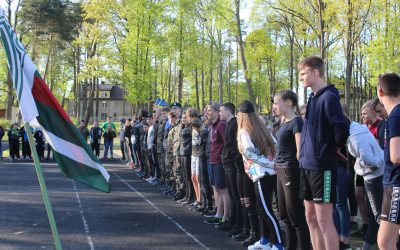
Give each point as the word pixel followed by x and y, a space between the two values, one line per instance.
pixel 162 212
pixel 85 225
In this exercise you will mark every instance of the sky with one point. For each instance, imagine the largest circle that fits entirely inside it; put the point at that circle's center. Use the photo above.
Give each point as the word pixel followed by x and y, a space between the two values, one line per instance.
pixel 245 11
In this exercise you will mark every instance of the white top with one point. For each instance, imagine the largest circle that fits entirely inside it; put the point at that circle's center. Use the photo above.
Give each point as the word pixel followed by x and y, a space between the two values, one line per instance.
pixel 250 152
pixel 150 137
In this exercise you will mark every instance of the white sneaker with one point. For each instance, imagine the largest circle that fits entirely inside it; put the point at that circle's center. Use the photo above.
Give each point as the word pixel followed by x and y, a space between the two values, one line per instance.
pixel 259 246
pixel 150 179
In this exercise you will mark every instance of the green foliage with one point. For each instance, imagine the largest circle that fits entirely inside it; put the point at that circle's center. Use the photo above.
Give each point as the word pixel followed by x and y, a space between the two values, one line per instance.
pixel 148 46
pixel 6 124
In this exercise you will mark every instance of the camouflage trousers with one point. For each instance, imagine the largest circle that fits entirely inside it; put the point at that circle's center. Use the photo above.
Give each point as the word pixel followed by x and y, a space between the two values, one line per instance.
pixel 169 162
pixel 178 173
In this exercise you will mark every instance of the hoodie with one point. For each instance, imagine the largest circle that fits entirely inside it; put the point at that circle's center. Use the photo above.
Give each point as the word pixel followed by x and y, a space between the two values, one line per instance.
pixel 364 147
pixel 325 128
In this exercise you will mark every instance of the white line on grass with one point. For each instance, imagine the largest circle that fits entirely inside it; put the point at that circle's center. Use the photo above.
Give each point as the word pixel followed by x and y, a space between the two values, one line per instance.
pixel 159 210
pixel 85 225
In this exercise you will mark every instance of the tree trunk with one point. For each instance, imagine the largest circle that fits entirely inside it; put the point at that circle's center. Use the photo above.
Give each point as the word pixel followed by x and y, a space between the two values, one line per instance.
pixel 10 97
pixel 242 53
pixel 220 80
pixel 211 73
pixel 196 76
pixel 96 116
pixel 203 102
pixel 349 54
pixel 229 73
pixel 169 81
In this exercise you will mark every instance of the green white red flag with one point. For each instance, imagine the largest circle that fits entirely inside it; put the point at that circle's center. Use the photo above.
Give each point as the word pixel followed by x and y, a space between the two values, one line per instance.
pixel 42 110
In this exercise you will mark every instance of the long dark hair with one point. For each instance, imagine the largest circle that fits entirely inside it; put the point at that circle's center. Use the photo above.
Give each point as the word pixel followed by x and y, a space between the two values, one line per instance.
pixel 287 94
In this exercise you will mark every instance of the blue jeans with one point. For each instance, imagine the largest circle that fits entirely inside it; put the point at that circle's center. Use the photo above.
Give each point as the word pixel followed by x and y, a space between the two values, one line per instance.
pixel 341 213
pixel 108 144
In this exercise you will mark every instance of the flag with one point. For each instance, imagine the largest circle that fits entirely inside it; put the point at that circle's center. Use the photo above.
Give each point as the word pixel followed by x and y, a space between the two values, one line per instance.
pixel 41 109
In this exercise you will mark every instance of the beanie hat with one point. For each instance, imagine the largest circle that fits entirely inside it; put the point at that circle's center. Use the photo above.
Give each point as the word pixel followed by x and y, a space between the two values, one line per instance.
pixel 246 107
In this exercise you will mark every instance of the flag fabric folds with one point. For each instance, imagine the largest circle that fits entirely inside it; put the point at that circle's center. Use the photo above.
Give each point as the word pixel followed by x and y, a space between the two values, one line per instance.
pixel 41 109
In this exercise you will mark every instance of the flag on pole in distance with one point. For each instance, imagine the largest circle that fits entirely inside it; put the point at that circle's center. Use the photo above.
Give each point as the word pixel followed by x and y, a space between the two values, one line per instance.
pixel 41 109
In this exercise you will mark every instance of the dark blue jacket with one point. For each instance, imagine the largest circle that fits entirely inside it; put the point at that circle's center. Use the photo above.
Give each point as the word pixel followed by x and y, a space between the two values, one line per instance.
pixel 325 128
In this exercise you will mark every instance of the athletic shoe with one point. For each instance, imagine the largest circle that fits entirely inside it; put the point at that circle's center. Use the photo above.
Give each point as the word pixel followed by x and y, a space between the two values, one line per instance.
pixel 200 208
pixel 259 246
pixel 187 203
pixel 183 200
pixel 343 246
pixel 234 231
pixel 241 236
pixel 277 247
pixel 209 212
pixel 249 241
pixel 224 225
pixel 212 221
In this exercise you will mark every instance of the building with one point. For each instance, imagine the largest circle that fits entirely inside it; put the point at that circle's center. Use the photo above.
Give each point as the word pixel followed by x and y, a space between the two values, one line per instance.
pixel 111 103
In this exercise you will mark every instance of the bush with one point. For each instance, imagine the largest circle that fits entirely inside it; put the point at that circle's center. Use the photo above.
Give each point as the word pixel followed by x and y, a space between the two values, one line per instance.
pixel 6 124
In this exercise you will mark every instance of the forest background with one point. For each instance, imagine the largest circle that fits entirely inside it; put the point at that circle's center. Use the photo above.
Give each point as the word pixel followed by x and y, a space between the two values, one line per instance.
pixel 194 51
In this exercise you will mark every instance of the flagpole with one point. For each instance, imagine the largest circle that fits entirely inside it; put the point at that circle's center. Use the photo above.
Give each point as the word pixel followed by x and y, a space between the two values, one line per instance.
pixel 43 188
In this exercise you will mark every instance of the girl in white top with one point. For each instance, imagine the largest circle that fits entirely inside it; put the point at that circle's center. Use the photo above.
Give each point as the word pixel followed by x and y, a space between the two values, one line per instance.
pixel 257 147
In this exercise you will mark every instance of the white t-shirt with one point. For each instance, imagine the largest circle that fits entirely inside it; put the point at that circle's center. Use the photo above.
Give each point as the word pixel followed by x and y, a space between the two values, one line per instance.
pixel 150 137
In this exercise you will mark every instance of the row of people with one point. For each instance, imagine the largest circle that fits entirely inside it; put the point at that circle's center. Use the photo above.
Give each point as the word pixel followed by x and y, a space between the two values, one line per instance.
pixel 18 138
pixel 309 164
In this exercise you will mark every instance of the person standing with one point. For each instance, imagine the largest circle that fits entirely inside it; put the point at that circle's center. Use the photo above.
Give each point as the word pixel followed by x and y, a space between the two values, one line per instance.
pixel 95 138
pixel 217 176
pixel 39 142
pixel 26 149
pixel 84 130
pixel 152 152
pixel 369 164
pixel 199 165
pixel 291 209
pixel 186 154
pixel 388 91
pixel 122 139
pixel 325 129
pixel 13 139
pixel 232 162
pixel 169 157
pixel 176 141
pixel 109 135
pixel 163 126
pixel 2 133
pixel 257 147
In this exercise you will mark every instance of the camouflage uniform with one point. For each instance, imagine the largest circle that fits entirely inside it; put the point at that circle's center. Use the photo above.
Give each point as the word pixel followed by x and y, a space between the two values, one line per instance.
pixel 160 148
pixel 177 168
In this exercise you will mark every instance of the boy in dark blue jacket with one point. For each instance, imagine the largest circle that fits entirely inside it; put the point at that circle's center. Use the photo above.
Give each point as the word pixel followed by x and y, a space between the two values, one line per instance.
pixel 325 129
pixel 388 91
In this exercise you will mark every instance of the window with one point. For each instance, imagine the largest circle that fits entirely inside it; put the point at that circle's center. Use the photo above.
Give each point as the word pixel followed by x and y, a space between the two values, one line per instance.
pixel 104 94
pixel 103 116
pixel 115 115
pixel 104 104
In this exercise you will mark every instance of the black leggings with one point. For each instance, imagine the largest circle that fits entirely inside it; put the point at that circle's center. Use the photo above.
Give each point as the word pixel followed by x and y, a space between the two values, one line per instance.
pixel 96 148
pixel 204 181
pixel 248 200
pixel 352 194
pixel 291 209
pixel 153 161
pixel 187 170
pixel 14 149
pixel 269 224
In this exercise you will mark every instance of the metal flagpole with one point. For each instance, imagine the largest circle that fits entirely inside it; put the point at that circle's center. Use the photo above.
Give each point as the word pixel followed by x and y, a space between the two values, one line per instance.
pixel 43 188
